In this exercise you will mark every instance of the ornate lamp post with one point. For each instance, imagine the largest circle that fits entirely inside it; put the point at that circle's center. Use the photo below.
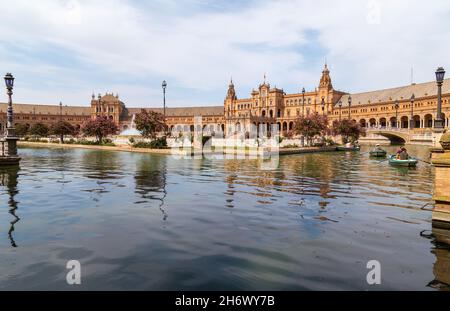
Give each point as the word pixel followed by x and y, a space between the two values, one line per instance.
pixel 411 122
pixel 323 105
pixel 340 110
pixel 60 111
pixel 164 87
pixel 10 149
pixel 349 107
pixel 396 113
pixel 303 101
pixel 438 123
pixel 9 81
pixel 100 109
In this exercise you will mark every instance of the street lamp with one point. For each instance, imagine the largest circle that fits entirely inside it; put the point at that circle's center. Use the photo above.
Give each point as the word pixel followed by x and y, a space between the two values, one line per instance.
pixel 9 81
pixel 10 148
pixel 164 87
pixel 100 110
pixel 396 113
pixel 323 105
pixel 60 111
pixel 303 103
pixel 438 123
pixel 349 107
pixel 340 110
pixel 411 122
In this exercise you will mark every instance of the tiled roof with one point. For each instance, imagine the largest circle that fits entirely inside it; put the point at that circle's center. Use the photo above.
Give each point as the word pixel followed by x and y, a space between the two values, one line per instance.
pixel 399 93
pixel 184 112
pixel 46 109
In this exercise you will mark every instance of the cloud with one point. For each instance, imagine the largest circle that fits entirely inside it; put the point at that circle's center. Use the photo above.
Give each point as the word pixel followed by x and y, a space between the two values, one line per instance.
pixel 131 46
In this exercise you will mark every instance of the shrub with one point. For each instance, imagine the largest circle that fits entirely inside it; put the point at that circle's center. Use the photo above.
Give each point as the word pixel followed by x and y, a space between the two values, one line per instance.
pixel 160 143
pixel 291 146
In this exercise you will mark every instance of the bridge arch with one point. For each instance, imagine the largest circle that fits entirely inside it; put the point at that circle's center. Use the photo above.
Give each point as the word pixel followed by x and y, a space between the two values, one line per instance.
pixel 395 136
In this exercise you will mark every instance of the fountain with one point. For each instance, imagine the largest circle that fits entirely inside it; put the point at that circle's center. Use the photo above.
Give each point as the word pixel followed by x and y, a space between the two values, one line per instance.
pixel 132 131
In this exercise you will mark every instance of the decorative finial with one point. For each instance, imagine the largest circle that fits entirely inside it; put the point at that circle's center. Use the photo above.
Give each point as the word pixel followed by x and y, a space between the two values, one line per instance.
pixel 265 77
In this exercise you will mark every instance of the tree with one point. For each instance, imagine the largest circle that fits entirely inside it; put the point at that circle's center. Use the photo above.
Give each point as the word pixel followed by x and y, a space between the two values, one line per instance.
pixel 62 128
pixel 22 129
pixel 149 123
pixel 99 127
pixel 311 126
pixel 39 130
pixel 350 130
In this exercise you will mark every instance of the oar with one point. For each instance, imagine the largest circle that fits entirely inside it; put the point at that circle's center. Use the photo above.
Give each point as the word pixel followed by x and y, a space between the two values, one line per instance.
pixel 427 162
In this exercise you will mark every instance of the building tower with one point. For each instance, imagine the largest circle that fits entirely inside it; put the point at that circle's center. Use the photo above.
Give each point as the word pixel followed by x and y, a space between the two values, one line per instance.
pixel 325 92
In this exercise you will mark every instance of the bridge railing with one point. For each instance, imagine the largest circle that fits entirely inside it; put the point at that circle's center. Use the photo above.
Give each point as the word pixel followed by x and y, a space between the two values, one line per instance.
pixel 385 128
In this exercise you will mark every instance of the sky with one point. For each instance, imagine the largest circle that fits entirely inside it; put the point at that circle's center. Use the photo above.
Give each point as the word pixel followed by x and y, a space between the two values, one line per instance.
pixel 64 50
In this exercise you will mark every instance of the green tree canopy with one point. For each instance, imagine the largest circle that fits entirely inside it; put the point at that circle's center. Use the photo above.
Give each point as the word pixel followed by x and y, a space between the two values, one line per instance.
pixel 39 130
pixel 62 128
pixel 22 129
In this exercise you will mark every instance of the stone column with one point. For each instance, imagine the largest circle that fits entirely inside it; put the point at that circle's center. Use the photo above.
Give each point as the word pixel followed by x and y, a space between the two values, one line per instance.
pixel 441 160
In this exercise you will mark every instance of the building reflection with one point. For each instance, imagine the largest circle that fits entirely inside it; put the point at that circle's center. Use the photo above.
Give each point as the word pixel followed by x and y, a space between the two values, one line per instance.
pixel 151 181
pixel 9 182
pixel 102 165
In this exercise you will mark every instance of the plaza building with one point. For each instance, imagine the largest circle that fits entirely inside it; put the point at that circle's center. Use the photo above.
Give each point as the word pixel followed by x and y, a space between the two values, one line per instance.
pixel 412 107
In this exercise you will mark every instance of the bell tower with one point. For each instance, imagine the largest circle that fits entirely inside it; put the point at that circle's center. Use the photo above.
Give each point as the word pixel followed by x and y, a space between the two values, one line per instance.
pixel 325 92
pixel 230 99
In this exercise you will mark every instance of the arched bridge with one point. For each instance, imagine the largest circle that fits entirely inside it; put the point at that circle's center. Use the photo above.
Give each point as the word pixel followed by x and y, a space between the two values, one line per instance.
pixel 397 135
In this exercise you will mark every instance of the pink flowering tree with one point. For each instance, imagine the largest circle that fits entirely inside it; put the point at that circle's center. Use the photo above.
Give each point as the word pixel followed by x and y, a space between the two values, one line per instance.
pixel 100 127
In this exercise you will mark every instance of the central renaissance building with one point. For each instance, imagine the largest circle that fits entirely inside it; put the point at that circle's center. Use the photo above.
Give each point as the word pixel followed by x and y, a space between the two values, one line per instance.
pixel 265 107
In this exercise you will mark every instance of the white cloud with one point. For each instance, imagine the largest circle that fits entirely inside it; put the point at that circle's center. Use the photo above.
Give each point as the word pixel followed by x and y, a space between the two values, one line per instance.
pixel 201 50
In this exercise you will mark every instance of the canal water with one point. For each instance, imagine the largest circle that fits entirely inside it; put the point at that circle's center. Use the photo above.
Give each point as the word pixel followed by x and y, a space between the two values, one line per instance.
pixel 147 222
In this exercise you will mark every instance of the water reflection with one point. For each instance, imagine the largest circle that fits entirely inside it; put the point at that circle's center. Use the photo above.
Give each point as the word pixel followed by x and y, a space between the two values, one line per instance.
pixel 9 181
pixel 312 223
pixel 151 179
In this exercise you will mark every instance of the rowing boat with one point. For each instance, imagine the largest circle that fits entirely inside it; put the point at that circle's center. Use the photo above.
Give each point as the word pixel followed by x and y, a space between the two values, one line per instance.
pixel 379 153
pixel 411 162
pixel 343 148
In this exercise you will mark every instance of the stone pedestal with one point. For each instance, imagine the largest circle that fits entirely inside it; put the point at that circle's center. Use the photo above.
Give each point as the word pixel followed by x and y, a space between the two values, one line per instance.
pixel 441 212
pixel 11 146
pixel 8 154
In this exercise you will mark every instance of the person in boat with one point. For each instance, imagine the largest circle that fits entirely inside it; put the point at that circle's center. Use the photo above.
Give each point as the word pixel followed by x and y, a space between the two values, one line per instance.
pixel 403 155
pixel 399 151
pixel 378 147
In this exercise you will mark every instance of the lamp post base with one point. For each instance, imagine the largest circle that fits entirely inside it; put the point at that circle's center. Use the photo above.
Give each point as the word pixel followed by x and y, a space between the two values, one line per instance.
pixel 438 126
